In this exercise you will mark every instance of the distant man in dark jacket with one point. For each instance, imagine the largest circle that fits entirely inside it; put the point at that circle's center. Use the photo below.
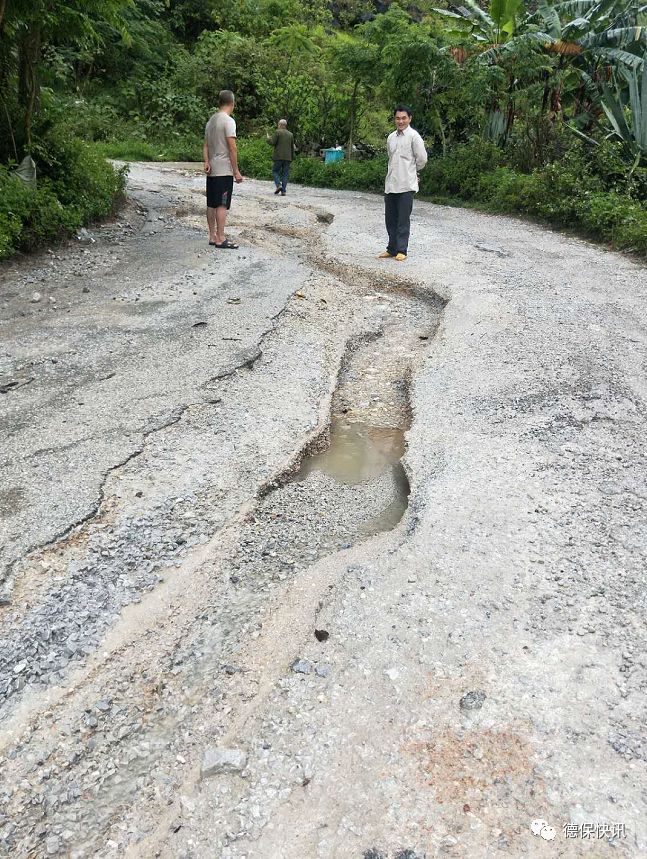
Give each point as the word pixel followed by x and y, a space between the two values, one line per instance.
pixel 283 142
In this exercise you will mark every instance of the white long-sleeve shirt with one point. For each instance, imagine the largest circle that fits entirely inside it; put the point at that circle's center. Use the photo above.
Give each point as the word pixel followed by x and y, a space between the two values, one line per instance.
pixel 407 155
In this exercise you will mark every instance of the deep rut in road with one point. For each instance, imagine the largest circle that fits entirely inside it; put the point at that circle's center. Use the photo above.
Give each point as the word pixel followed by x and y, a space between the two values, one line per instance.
pixel 118 744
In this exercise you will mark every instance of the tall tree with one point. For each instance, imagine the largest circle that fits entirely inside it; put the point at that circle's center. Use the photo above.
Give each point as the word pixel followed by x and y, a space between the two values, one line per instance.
pixel 26 26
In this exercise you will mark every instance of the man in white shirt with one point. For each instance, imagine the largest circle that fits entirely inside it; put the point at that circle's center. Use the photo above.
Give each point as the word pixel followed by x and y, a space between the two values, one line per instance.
pixel 221 166
pixel 407 156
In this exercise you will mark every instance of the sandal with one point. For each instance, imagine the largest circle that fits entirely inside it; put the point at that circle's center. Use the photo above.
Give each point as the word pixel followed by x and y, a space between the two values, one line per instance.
pixel 227 244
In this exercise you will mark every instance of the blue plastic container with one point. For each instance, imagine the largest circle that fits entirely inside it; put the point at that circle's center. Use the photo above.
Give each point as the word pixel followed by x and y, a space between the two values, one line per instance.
pixel 332 155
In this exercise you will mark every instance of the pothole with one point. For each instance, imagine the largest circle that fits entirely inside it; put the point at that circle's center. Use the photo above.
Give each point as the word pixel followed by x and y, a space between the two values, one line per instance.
pixel 358 454
pixel 350 483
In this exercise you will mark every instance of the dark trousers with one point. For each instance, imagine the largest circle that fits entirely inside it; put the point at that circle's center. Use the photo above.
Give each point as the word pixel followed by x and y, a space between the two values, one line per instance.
pixel 397 215
pixel 281 171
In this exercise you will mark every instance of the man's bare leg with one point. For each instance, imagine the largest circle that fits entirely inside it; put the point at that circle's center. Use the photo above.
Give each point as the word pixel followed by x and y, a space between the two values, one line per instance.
pixel 211 221
pixel 221 218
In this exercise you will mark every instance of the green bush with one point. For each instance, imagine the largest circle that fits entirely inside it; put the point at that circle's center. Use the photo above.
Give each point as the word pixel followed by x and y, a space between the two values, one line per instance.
pixel 75 186
pixel 616 219
pixel 505 190
pixel 458 174
pixel 88 120
pixel 29 216
pixel 635 186
pixel 133 148
pixel 351 175
pixel 78 176
pixel 255 158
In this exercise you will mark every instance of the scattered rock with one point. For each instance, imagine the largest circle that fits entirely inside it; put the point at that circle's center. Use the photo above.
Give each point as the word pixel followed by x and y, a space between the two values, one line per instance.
pixel 322 670
pixel 301 666
pixel 473 700
pixel 187 804
pixel 35 297
pixel 217 761
pixel 230 669
pixel 85 237
pixel 322 634
pixel 52 845
pixel 325 217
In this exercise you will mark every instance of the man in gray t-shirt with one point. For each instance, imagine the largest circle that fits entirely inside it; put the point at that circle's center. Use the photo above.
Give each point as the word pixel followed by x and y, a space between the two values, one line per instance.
pixel 221 166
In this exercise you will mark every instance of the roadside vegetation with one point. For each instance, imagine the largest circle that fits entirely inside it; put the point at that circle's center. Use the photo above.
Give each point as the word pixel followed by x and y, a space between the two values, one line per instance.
pixel 536 108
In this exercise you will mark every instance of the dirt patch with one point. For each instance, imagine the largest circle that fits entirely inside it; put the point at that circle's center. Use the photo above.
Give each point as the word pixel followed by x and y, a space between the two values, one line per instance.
pixel 475 767
pixel 11 500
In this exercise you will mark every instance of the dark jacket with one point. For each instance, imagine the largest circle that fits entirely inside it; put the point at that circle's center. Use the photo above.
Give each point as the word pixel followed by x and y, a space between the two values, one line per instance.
pixel 283 142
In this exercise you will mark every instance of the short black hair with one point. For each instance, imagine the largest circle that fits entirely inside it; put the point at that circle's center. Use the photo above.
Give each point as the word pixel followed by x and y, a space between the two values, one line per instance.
pixel 225 96
pixel 402 108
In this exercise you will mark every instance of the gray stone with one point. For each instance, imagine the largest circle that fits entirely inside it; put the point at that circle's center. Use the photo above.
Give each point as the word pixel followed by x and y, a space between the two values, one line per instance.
pixel 102 706
pixel 322 670
pixel 473 700
pixel 52 845
pixel 35 297
pixel 301 666
pixel 85 237
pixel 217 761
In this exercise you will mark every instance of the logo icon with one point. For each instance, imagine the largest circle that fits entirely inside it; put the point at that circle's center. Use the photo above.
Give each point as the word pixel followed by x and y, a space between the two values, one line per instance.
pixel 542 829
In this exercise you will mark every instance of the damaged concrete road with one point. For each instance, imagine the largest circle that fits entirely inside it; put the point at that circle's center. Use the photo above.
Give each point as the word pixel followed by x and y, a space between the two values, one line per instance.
pixel 306 554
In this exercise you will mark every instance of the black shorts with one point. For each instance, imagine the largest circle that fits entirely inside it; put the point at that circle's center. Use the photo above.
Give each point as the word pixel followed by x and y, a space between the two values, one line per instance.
pixel 219 190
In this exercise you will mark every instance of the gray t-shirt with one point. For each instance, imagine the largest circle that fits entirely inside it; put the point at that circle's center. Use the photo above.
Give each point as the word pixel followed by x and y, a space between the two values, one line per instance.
pixel 218 129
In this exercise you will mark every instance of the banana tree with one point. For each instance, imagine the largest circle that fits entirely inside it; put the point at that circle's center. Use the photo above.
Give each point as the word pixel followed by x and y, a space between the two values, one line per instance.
pixel 489 28
pixel 606 31
pixel 497 32
pixel 593 39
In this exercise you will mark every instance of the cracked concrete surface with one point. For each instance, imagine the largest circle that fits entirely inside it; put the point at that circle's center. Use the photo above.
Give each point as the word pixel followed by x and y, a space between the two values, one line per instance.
pixel 158 594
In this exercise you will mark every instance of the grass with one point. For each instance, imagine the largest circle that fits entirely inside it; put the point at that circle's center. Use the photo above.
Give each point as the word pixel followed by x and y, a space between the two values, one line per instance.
pixel 133 149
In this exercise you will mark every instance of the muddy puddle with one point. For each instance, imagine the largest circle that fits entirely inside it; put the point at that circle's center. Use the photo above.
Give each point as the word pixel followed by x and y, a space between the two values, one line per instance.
pixel 358 453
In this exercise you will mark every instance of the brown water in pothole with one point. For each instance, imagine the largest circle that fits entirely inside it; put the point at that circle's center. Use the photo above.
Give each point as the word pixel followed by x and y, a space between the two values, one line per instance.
pixel 357 453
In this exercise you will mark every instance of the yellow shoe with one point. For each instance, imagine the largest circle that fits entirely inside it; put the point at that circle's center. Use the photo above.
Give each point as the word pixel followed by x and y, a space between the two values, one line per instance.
pixel 400 257
pixel 384 255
